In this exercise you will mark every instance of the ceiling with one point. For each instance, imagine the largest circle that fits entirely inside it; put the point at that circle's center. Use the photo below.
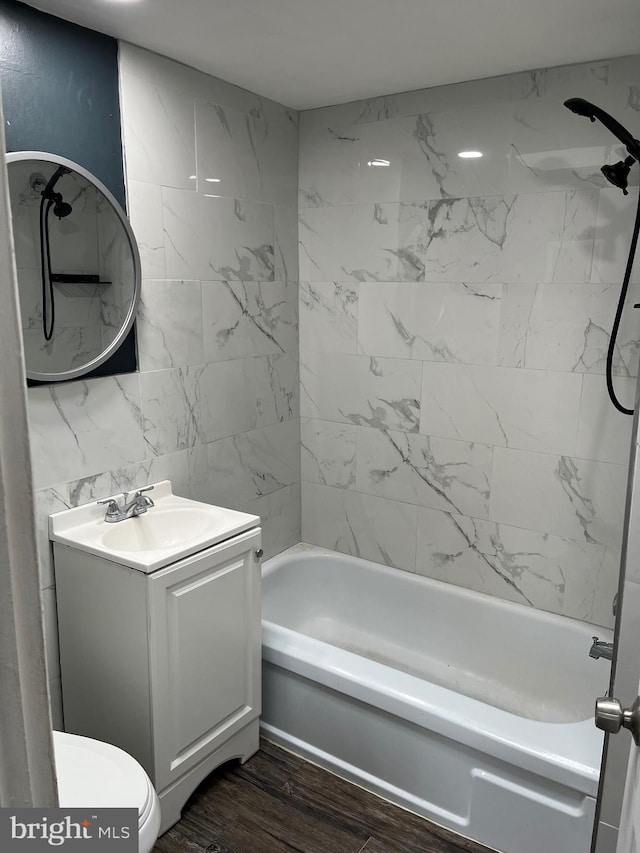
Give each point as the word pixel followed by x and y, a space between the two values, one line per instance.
pixel 310 53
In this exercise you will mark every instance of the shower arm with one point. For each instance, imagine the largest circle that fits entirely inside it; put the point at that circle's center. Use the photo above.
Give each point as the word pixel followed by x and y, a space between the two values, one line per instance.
pixel 589 110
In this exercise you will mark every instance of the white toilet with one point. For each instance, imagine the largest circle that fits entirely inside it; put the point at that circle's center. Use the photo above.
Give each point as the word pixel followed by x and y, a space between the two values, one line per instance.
pixel 96 774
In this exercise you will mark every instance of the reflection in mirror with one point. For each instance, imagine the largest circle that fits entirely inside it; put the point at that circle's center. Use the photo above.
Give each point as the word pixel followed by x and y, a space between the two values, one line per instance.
pixel 77 263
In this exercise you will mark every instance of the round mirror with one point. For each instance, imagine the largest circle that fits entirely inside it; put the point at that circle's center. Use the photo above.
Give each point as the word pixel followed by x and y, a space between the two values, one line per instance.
pixel 77 262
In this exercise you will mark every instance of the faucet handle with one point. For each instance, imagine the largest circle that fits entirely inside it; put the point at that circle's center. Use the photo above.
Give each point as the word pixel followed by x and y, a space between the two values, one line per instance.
pixel 113 510
pixel 140 494
pixel 137 492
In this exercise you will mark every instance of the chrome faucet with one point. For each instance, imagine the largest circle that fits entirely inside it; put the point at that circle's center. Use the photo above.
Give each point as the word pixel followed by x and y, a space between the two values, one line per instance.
pixel 600 649
pixel 139 504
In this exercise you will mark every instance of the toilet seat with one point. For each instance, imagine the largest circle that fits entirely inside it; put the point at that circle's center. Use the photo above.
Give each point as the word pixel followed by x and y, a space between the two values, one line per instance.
pixel 99 775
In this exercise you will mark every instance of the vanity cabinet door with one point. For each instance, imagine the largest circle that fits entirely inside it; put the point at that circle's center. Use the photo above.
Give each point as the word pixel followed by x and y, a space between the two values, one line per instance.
pixel 205 653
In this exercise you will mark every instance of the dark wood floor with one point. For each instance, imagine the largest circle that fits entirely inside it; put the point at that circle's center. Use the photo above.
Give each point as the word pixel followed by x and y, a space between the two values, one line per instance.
pixel 278 803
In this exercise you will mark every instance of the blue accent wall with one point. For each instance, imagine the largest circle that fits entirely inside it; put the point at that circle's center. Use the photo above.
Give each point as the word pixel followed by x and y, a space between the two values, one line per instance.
pixel 60 94
pixel 60 91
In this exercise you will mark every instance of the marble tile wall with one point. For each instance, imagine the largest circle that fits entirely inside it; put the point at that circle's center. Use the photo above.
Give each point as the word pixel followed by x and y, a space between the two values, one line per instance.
pixel 212 183
pixel 454 323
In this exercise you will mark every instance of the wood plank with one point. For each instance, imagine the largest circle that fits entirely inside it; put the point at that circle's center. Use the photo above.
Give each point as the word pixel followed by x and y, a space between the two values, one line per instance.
pixel 270 766
pixel 355 808
pixel 279 803
pixel 272 834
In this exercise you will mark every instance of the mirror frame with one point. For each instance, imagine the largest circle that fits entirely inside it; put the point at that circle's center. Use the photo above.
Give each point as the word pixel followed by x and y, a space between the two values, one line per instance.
pixel 17 156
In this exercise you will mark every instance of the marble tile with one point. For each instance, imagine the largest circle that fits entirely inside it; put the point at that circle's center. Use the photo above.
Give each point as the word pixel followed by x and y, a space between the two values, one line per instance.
pixel 172 418
pixel 235 470
pixel 227 160
pixel 622 88
pixel 209 237
pixel 526 409
pixel 277 148
pixel 172 466
pixel 81 428
pixel 589 596
pixel 328 316
pixel 575 579
pixel 603 432
pixel 47 501
pixel 280 519
pixel 328 453
pixel 567 328
pixel 145 214
pixel 200 479
pixel 454 97
pixel 368 242
pixel 223 395
pixel 154 110
pixel 435 472
pixel 613 230
pixel 362 525
pixel 433 322
pixel 169 324
pixel 88 489
pixel 457 96
pixel 602 82
pixel 569 497
pixel 551 149
pixel 330 162
pixel 250 155
pixel 154 66
pixel 285 223
pixel 248 318
pixel 377 392
pixel 533 237
pixel 404 159
pixel 482 127
pixel 277 388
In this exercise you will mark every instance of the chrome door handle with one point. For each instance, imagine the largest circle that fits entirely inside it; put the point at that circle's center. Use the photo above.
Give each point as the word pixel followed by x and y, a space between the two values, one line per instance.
pixel 611 717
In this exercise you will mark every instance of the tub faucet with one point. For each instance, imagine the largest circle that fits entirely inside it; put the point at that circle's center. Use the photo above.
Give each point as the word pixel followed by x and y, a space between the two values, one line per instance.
pixel 600 649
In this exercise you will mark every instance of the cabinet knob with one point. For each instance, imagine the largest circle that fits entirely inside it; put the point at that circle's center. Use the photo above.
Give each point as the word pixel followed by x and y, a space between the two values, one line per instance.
pixel 259 553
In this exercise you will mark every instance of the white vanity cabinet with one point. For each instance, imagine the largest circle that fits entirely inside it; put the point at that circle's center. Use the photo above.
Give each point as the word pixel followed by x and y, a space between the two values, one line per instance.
pixel 164 664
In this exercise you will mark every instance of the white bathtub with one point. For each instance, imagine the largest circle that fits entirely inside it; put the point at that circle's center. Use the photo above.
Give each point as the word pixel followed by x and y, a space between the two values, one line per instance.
pixel 471 711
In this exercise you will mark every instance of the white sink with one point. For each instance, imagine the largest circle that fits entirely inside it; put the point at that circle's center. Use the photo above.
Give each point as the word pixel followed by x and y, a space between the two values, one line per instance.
pixel 161 529
pixel 172 529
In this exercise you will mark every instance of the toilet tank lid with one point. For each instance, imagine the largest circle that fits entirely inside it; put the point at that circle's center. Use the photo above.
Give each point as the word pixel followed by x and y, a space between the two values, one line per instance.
pixel 95 774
